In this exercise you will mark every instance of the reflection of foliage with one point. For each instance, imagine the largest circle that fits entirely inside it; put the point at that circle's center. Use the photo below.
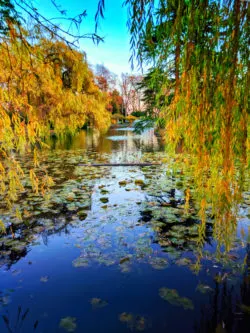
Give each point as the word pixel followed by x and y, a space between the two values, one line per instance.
pixel 225 309
pixel 69 198
pixel 17 327
pixel 154 231
pixel 175 226
pixel 202 47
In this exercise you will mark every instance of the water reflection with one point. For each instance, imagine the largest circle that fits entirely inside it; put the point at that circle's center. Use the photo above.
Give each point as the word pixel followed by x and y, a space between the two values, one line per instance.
pixel 133 227
pixel 15 325
pixel 229 305
pixel 117 139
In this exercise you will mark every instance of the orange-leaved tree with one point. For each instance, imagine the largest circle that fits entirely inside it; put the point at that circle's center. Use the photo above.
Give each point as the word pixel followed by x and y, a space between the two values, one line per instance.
pixel 44 85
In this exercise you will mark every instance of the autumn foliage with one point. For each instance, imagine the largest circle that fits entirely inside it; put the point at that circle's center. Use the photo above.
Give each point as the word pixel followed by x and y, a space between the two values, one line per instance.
pixel 201 50
pixel 45 86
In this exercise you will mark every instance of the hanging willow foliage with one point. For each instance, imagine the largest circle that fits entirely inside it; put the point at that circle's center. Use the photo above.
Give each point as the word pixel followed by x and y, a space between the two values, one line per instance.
pixel 202 47
pixel 44 86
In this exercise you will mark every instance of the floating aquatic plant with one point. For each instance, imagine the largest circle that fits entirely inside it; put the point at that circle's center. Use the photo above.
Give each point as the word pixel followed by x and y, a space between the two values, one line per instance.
pixel 98 303
pixel 172 296
pixel 134 322
pixel 68 323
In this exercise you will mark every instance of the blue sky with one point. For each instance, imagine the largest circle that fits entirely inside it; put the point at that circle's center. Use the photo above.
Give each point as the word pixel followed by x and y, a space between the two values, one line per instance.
pixel 114 53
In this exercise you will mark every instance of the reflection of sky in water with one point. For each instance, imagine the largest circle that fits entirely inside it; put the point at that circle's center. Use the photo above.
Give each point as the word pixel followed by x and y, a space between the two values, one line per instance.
pixel 125 129
pixel 123 137
pixel 131 240
pixel 131 147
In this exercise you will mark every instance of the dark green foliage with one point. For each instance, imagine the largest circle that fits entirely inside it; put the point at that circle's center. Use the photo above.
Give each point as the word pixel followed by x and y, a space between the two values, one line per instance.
pixel 138 114
pixel 152 86
pixel 143 124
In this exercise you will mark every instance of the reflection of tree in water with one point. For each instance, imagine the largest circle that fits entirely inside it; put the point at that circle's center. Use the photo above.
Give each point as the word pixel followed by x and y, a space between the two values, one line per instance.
pixel 45 217
pixel 66 141
pixel 15 325
pixel 148 142
pixel 84 139
pixel 245 291
pixel 228 310
pixel 17 248
pixel 174 228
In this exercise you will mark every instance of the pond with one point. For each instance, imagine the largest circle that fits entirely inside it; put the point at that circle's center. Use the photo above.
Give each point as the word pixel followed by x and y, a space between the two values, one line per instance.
pixel 111 249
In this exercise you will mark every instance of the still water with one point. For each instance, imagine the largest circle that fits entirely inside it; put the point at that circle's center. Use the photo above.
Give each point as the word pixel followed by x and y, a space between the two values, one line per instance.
pixel 111 249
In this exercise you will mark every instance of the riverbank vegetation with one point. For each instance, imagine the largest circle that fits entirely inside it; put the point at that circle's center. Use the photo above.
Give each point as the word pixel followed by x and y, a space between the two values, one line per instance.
pixel 46 88
pixel 88 203
pixel 197 88
pixel 199 53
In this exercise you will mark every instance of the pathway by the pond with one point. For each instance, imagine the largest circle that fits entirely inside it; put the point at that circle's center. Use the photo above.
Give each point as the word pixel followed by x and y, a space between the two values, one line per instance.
pixel 112 250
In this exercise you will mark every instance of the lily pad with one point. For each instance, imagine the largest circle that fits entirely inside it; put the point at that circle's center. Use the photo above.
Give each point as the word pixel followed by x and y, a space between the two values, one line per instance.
pixel 202 288
pixel 123 260
pixel 104 200
pixel 71 196
pixel 134 322
pixel 80 262
pixel 123 183
pixel 19 248
pixel 183 262
pixel 44 279
pixel 82 214
pixel 104 192
pixel 172 296
pixel 68 323
pixel 125 317
pixel 139 182
pixel 158 262
pixel 98 303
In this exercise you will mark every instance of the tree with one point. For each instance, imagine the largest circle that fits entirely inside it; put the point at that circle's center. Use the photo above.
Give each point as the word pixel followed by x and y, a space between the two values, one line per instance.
pixel 202 47
pixel 131 93
pixel 116 102
pixel 106 80
pixel 44 85
pixel 13 11
pixel 155 98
